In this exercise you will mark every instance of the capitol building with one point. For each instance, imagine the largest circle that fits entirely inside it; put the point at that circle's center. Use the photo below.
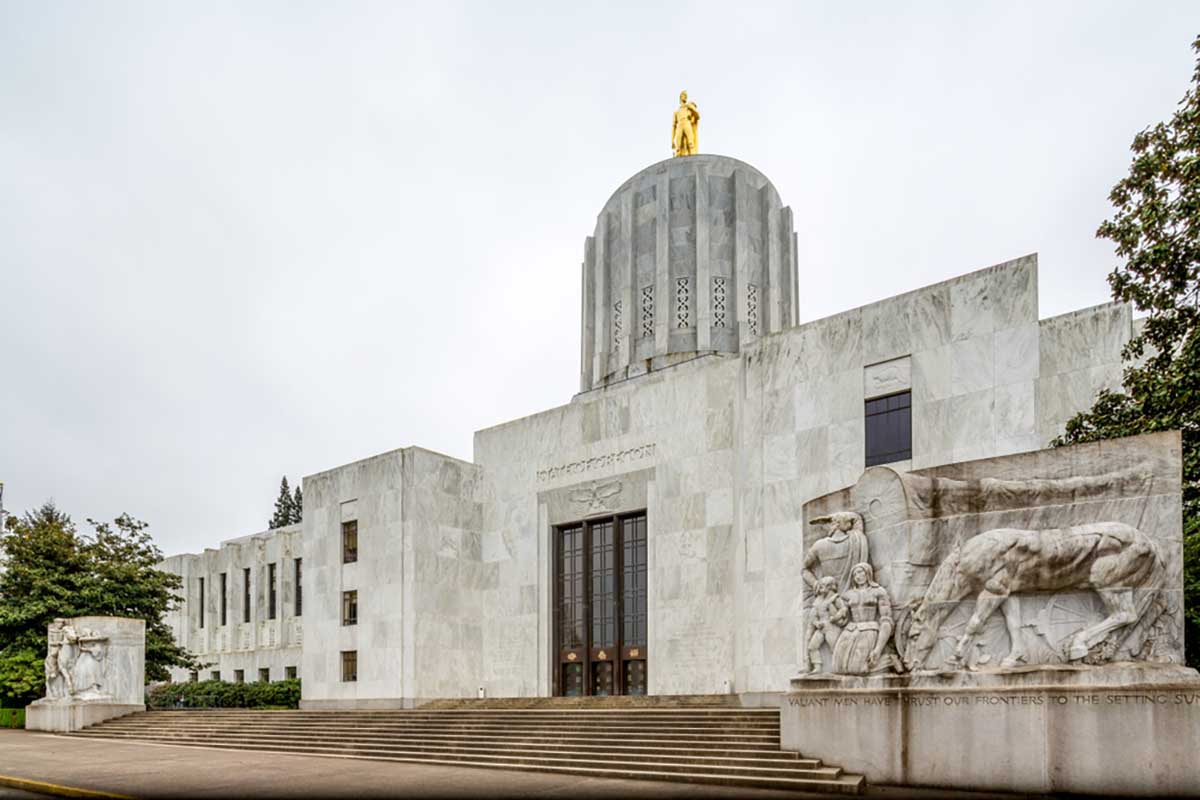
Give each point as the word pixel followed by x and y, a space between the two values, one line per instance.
pixel 645 536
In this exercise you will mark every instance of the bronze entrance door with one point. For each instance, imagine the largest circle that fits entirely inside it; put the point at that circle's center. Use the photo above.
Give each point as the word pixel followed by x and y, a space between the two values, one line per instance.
pixel 600 606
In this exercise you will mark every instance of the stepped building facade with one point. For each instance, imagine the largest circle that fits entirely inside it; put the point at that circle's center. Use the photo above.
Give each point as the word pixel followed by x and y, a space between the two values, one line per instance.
pixel 645 537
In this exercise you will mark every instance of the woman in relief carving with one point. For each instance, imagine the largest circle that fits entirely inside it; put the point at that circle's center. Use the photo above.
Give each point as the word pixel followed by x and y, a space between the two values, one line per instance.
pixel 861 644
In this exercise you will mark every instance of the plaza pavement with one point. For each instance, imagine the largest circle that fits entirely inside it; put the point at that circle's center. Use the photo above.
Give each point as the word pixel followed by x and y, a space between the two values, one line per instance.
pixel 146 770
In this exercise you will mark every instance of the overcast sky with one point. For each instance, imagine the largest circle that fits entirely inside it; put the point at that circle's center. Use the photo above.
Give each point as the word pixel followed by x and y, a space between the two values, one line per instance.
pixel 242 240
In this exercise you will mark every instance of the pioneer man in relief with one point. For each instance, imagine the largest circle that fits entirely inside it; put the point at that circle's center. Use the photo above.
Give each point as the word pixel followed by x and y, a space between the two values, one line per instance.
pixel 836 553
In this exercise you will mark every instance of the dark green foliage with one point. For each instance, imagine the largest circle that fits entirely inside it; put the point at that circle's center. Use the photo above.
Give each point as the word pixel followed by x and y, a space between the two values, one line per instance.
pixel 12 718
pixel 288 506
pixel 1156 231
pixel 220 694
pixel 50 570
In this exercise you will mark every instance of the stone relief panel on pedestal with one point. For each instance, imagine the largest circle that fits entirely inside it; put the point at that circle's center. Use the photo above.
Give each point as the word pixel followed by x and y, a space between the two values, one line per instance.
pixel 1044 566
pixel 75 663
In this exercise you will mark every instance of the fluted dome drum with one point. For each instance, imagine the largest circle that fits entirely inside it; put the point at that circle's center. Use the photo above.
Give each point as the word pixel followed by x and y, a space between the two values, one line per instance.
pixel 691 256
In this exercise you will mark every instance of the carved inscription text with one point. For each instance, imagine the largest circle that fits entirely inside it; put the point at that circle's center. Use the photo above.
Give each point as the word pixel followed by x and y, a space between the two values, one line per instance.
pixel 599 462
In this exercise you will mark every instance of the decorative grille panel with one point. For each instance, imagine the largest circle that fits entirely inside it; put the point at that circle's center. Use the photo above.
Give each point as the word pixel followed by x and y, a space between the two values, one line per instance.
pixel 718 302
pixel 683 303
pixel 752 308
pixel 648 311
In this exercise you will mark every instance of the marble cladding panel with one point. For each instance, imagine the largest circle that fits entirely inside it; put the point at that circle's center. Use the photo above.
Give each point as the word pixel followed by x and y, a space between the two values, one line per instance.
pixel 645 234
pixel 887 377
pixel 721 222
pixel 682 226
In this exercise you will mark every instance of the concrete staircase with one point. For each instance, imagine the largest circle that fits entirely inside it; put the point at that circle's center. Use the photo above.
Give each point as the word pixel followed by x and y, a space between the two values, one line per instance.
pixel 714 744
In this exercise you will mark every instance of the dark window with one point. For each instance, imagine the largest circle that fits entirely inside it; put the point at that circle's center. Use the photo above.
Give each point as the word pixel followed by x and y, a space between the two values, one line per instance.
pixel 264 674
pixel 299 589
pixel 272 587
pixel 603 596
pixel 215 675
pixel 224 598
pixel 889 429
pixel 350 541
pixel 239 676
pixel 202 602
pixel 349 608
pixel 194 677
pixel 349 666
pixel 570 594
pixel 246 594
pixel 633 583
pixel 289 673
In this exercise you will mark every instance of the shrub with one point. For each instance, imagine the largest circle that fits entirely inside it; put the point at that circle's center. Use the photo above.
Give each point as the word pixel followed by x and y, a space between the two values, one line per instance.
pixel 222 694
pixel 12 718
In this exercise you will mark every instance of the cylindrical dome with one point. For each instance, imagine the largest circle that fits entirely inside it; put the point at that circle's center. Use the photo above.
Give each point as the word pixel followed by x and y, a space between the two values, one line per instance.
pixel 692 255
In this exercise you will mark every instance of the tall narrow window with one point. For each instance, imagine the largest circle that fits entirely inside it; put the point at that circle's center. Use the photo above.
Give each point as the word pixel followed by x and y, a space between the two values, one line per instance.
pixel 202 602
pixel 224 598
pixel 246 594
pixel 299 589
pixel 272 587
pixel 289 673
pixel 350 541
pixel 239 676
pixel 350 608
pixel 349 666
pixel 264 675
pixel 889 428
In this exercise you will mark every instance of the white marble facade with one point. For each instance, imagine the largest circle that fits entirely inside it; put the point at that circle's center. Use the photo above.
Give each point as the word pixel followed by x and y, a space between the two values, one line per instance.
pixel 722 449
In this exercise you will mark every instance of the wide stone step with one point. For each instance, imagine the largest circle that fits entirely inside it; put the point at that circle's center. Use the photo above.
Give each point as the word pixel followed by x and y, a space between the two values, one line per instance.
pixel 669 740
pixel 730 746
pixel 616 701
pixel 585 749
pixel 471 723
pixel 732 774
pixel 493 716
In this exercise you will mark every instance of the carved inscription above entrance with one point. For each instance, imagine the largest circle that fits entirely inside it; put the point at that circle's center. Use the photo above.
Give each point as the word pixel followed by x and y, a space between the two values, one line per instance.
pixel 599 462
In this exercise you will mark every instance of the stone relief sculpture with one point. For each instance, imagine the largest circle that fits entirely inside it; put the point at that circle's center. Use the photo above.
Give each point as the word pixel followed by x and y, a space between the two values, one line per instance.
pixel 859 648
pixel 95 670
pixel 596 497
pixel 75 663
pixel 924 561
pixel 1117 561
pixel 829 613
pixel 837 552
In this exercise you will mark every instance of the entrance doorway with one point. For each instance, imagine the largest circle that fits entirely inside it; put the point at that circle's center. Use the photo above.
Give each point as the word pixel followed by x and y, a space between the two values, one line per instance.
pixel 600 606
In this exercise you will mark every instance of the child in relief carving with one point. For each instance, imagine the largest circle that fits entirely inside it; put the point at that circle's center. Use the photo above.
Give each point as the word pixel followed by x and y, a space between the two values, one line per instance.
pixel 829 613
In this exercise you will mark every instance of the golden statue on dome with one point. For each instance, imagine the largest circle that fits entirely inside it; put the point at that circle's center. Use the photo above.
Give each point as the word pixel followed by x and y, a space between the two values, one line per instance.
pixel 685 129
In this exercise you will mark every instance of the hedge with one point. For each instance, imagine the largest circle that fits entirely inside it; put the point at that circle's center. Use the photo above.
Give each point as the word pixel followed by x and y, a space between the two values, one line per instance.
pixel 222 694
pixel 12 718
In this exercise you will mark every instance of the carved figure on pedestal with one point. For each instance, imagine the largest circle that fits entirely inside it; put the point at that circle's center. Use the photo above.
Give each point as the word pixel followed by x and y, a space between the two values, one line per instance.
pixel 860 646
pixel 89 666
pixel 829 613
pixel 1119 562
pixel 58 674
pixel 838 552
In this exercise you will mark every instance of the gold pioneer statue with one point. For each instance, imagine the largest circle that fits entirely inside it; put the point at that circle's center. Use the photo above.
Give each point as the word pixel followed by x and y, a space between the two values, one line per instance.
pixel 685 129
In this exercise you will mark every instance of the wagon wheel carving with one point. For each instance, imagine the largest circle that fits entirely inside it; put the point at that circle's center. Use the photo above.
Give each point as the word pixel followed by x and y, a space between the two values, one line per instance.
pixel 1067 613
pixel 988 647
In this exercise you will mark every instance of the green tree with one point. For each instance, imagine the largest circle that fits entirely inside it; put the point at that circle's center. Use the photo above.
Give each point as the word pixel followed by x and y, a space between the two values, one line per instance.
pixel 284 511
pixel 50 570
pixel 1156 232
pixel 297 506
